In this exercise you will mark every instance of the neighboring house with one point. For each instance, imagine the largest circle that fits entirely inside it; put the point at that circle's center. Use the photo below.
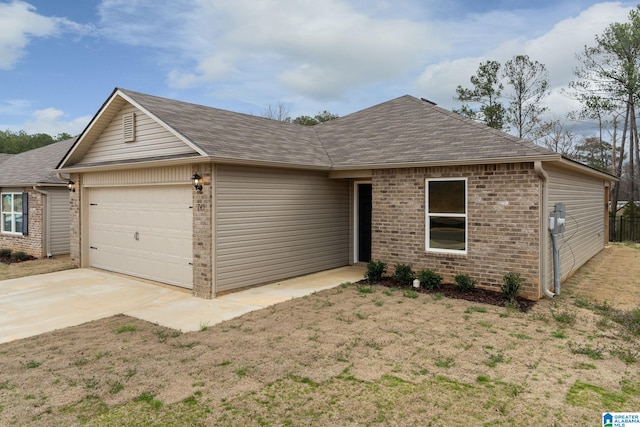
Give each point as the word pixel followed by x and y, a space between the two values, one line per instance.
pixel 403 182
pixel 622 205
pixel 35 202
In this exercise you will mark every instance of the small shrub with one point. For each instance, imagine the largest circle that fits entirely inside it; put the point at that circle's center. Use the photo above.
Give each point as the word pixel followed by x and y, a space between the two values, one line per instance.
pixel 429 279
pixel 511 286
pixel 4 252
pixel 19 256
pixel 375 271
pixel 464 283
pixel 404 275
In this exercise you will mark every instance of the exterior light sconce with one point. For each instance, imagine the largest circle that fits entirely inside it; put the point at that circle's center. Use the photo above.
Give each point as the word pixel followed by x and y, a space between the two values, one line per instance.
pixel 71 186
pixel 197 182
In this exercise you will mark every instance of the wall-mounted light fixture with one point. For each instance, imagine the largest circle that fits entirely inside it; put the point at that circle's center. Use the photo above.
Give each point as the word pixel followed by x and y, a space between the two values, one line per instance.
pixel 71 186
pixel 197 181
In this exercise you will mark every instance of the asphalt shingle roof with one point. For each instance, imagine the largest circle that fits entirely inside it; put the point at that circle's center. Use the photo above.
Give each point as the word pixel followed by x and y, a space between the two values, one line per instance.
pixel 4 157
pixel 408 130
pixel 225 134
pixel 34 166
pixel 403 130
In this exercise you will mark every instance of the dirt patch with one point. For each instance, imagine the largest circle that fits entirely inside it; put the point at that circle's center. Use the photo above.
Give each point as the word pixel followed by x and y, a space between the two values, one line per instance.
pixel 612 276
pixel 37 266
pixel 351 355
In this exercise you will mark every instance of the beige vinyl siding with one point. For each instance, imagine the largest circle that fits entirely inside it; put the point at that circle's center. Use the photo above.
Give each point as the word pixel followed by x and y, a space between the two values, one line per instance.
pixel 59 232
pixel 159 176
pixel 583 238
pixel 151 140
pixel 272 224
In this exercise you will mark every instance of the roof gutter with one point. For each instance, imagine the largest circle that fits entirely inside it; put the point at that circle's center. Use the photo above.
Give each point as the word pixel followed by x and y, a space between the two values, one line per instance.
pixel 544 236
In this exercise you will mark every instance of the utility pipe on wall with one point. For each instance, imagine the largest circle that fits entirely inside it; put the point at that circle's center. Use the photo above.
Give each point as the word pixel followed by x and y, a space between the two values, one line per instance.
pixel 556 226
pixel 543 230
pixel 556 263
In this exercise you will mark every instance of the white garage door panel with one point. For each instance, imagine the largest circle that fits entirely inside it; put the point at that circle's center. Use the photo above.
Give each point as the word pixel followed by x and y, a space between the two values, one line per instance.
pixel 143 231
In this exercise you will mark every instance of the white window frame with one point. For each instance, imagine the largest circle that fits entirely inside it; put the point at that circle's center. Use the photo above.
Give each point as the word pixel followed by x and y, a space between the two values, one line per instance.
pixel 13 214
pixel 428 216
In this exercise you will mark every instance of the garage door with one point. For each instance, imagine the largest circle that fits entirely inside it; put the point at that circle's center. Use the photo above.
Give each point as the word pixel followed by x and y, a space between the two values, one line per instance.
pixel 143 232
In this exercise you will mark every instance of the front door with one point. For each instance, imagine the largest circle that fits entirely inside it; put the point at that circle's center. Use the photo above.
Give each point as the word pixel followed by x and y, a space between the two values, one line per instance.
pixel 363 245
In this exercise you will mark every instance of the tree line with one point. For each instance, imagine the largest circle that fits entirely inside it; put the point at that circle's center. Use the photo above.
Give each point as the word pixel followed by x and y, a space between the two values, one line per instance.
pixel 280 113
pixel 18 142
pixel 509 97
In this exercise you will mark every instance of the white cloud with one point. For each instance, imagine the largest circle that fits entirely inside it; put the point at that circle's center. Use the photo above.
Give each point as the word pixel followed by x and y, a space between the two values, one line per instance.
pixel 14 106
pixel 53 122
pixel 315 49
pixel 556 49
pixel 350 52
pixel 20 23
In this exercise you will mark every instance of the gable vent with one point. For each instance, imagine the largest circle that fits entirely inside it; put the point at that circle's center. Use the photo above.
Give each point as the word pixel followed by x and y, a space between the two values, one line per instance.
pixel 129 127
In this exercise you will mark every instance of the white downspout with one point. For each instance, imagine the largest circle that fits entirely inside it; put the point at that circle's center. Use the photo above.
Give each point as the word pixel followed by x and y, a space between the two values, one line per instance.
pixel 544 242
pixel 46 220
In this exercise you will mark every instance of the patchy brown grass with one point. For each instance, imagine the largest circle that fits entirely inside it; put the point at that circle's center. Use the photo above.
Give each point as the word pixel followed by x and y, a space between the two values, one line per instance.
pixel 352 355
pixel 36 266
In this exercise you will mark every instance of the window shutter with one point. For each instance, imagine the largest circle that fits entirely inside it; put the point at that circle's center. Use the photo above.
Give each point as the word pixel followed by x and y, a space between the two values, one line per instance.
pixel 129 127
pixel 25 214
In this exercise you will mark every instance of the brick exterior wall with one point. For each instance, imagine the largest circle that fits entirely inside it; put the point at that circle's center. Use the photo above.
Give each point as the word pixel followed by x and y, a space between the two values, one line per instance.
pixel 502 217
pixel 203 234
pixel 33 243
pixel 75 221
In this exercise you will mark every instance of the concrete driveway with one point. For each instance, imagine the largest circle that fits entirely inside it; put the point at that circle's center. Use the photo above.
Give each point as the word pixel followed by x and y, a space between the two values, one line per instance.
pixel 42 303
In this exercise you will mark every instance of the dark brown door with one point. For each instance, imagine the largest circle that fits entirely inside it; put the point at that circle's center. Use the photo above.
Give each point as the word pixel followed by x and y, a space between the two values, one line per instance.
pixel 364 222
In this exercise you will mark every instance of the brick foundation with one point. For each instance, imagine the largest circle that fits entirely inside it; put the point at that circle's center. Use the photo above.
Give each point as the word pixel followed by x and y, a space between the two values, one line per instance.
pixel 502 219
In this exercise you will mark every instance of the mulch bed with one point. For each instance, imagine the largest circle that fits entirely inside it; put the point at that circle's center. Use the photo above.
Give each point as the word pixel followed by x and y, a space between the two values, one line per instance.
pixel 9 260
pixel 478 295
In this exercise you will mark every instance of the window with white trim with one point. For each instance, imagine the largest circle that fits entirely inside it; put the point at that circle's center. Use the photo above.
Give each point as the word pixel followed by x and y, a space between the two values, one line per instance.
pixel 11 212
pixel 446 215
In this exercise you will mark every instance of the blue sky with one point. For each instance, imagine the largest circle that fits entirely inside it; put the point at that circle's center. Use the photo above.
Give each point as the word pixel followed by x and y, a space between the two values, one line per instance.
pixel 60 60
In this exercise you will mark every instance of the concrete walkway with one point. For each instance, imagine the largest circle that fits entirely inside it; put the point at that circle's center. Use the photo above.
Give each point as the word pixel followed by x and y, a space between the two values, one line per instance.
pixel 46 302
